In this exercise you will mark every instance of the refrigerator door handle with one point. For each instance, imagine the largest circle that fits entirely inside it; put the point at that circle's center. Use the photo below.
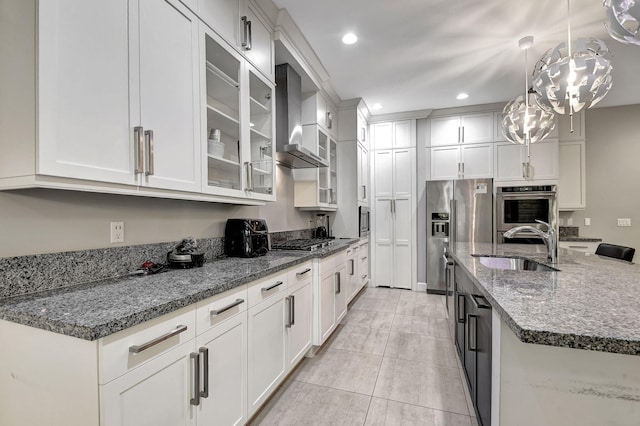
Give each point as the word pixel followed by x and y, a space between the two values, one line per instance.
pixel 452 221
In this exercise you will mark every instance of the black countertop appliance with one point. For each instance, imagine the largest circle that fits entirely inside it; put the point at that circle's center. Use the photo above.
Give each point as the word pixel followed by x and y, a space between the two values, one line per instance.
pixel 246 238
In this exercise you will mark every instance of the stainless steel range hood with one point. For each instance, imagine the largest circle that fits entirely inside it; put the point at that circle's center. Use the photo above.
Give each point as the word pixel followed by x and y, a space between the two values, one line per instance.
pixel 289 149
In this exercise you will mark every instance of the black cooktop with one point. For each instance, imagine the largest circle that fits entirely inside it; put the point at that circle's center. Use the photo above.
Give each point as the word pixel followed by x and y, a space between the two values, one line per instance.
pixel 308 244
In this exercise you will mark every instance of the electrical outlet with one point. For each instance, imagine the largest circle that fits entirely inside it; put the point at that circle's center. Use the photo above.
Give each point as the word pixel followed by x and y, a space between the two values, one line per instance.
pixel 569 221
pixel 624 222
pixel 117 232
pixel 587 221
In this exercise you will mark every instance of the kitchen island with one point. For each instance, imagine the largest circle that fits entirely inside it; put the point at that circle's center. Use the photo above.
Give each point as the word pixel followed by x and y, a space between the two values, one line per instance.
pixel 565 344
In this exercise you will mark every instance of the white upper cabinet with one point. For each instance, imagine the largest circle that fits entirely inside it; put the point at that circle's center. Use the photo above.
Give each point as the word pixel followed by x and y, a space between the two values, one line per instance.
pixel 396 134
pixel 165 93
pixel 242 27
pixel 462 162
pixel 468 128
pixel 316 109
pixel 572 176
pixel 84 130
pixel 239 123
pixel 139 72
pixel 511 163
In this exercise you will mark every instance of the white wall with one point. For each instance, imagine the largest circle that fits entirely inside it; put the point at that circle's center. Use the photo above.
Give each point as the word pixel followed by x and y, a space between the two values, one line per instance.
pixel 44 221
pixel 613 175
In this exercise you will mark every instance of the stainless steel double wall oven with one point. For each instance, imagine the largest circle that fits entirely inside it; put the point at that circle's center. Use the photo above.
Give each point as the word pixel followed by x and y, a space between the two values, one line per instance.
pixel 522 205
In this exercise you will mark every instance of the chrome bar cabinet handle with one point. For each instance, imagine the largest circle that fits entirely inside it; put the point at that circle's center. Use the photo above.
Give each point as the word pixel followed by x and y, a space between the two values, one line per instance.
pixel 337 278
pixel 303 272
pixel 205 372
pixel 471 347
pixel 138 139
pixel 195 357
pixel 135 349
pixel 226 308
pixel 292 306
pixel 277 284
pixel 148 136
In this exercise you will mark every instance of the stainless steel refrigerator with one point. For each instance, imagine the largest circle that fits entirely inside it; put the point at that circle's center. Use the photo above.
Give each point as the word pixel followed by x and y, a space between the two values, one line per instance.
pixel 457 211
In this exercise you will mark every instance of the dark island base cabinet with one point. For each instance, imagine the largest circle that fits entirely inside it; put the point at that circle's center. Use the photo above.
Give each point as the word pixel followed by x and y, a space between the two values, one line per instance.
pixel 473 342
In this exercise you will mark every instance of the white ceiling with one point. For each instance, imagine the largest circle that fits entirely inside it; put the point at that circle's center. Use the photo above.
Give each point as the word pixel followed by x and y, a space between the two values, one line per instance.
pixel 419 54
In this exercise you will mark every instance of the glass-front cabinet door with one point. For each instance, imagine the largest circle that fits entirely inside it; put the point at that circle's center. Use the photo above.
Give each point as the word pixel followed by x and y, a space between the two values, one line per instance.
pixel 261 132
pixel 333 172
pixel 240 124
pixel 223 116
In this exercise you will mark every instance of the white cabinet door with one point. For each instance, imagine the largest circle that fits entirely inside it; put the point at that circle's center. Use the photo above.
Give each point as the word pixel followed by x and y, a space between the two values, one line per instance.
pixel 83 84
pixel 166 382
pixel 477 128
pixel 165 92
pixel 402 246
pixel 327 304
pixel 261 46
pixel 226 346
pixel 363 267
pixel 353 279
pixel 394 218
pixel 223 16
pixel 299 323
pixel 402 134
pixel 266 350
pixel 509 164
pixel 383 176
pixel 544 160
pixel 445 162
pixel 572 177
pixel 477 161
pixel 341 292
pixel 382 135
pixel 498 133
pixel 445 131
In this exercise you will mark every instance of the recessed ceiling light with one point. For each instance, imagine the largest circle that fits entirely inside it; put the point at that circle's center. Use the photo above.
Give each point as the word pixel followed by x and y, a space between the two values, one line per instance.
pixel 349 38
pixel 376 107
pixel 462 96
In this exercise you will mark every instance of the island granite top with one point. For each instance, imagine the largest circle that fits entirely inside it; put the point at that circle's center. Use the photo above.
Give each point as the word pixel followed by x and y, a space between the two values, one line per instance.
pixel 592 303
pixel 94 310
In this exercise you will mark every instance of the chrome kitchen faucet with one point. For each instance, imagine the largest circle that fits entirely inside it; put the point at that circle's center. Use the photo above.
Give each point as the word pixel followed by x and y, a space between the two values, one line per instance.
pixel 549 238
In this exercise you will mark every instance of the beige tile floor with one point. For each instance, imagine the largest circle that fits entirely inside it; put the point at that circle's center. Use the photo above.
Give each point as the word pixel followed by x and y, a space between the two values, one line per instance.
pixel 390 362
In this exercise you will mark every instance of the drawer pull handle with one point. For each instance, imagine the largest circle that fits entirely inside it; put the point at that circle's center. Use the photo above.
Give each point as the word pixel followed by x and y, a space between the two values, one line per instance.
pixel 303 272
pixel 265 289
pixel 584 247
pixel 139 348
pixel 226 308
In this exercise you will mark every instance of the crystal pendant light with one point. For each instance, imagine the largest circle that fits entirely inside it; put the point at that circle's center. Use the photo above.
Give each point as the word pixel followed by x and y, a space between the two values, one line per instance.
pixel 568 80
pixel 623 20
pixel 523 120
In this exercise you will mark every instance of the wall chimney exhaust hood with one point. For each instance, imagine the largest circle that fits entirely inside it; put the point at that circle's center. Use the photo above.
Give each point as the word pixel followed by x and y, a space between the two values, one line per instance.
pixel 289 149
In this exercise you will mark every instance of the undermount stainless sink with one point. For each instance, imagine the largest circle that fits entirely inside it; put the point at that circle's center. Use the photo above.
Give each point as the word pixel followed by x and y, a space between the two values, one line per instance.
pixel 514 263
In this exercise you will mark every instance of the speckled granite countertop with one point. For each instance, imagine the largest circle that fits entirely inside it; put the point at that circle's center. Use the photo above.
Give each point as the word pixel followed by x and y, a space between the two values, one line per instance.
pixel 92 311
pixel 581 239
pixel 592 303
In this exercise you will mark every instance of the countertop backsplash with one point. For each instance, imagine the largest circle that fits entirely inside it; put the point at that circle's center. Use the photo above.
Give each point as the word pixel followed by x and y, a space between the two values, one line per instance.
pixel 40 272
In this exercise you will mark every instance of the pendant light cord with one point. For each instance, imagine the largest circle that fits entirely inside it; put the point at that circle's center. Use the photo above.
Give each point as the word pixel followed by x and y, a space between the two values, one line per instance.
pixel 571 71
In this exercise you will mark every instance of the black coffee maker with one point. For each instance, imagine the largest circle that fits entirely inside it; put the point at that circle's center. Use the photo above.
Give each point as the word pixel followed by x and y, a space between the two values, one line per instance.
pixel 246 238
pixel 322 226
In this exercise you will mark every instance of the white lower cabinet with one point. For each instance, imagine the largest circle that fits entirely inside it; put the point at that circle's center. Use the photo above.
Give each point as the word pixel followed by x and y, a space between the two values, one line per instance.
pixel 352 271
pixel 330 301
pixel 266 349
pixel 134 399
pixel 211 363
pixel 221 344
pixel 298 326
